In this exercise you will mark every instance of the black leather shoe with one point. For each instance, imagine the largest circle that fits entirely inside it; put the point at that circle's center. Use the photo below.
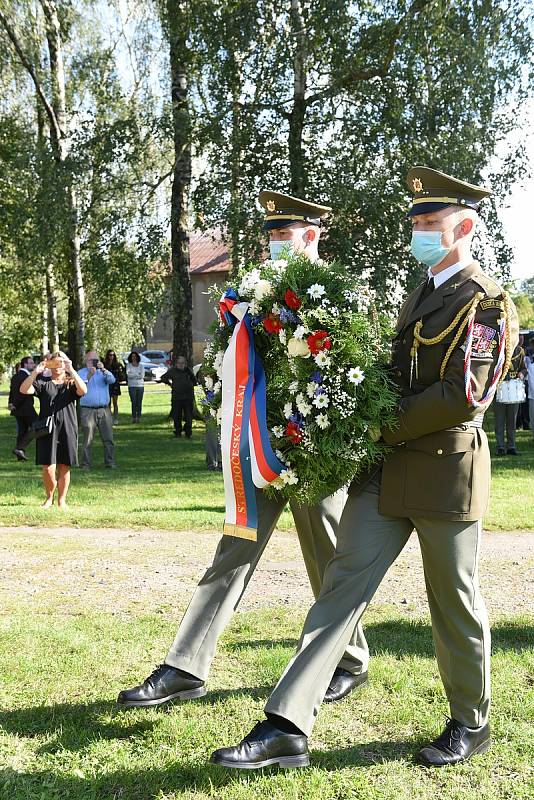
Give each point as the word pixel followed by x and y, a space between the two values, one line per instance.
pixel 501 451
pixel 265 745
pixel 21 455
pixel 456 743
pixel 165 684
pixel 512 452
pixel 342 684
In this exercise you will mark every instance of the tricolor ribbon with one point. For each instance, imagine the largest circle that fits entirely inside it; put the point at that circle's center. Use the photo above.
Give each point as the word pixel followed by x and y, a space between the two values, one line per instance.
pixel 247 457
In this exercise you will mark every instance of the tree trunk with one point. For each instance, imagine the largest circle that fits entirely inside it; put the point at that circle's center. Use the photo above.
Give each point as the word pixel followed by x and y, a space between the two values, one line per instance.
pixel 178 28
pixel 53 333
pixel 76 313
pixel 298 112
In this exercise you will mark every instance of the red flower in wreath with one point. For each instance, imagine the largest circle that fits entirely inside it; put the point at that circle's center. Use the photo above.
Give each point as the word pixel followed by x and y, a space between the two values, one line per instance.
pixel 291 300
pixel 317 341
pixel 272 324
pixel 293 432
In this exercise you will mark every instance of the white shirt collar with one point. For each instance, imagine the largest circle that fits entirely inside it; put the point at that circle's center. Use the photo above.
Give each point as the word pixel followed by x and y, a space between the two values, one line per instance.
pixel 27 371
pixel 447 273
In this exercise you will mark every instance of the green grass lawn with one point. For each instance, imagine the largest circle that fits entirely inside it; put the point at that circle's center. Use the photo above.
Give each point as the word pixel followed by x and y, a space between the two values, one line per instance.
pixel 61 737
pixel 161 482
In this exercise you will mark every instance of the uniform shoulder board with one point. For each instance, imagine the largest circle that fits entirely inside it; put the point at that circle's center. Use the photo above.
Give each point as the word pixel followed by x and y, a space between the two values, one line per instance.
pixel 491 287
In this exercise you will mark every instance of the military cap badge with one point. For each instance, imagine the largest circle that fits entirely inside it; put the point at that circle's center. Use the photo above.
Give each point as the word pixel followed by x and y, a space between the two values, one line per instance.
pixel 271 205
pixel 417 184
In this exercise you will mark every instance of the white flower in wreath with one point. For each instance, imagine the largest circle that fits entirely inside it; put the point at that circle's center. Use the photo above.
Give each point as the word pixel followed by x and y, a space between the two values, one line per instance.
pixel 355 375
pixel 288 410
pixel 280 264
pixel 248 282
pixel 293 387
pixel 282 335
pixel 322 359
pixel 298 347
pixel 299 332
pixel 278 431
pixel 253 308
pixel 321 401
pixel 289 477
pixel 208 383
pixel 278 483
pixel 275 310
pixel 322 421
pixel 219 416
pixel 218 362
pixel 262 289
pixel 303 406
pixel 217 387
pixel 316 291
pixel 213 412
pixel 311 388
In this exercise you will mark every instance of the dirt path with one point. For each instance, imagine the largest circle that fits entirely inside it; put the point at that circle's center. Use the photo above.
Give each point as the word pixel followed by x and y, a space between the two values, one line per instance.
pixel 137 572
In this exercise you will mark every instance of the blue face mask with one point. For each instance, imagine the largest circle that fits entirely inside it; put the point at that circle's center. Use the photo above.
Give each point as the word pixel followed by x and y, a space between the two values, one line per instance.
pixel 277 248
pixel 427 248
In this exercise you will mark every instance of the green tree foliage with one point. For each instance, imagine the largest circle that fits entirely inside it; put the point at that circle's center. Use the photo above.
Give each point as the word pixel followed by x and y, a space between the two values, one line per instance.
pixel 383 85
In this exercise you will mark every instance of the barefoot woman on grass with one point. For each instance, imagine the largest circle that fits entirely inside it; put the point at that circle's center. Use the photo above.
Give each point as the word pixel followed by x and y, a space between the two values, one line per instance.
pixel 57 396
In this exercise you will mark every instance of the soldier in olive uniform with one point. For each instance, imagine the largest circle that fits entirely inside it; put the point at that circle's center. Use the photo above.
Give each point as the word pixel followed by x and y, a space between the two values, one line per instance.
pixel 293 225
pixel 448 356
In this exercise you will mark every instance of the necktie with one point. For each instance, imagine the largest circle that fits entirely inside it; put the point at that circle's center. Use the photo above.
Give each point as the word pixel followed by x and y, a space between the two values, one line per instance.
pixel 427 291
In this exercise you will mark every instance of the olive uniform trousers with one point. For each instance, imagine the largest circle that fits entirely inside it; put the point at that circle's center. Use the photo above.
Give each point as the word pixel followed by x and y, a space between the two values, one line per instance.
pixel 368 543
pixel 222 586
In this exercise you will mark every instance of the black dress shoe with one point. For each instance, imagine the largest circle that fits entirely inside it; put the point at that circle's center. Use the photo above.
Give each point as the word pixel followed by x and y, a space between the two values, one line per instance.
pixel 342 684
pixel 166 683
pixel 512 452
pixel 456 743
pixel 265 745
pixel 21 455
pixel 501 451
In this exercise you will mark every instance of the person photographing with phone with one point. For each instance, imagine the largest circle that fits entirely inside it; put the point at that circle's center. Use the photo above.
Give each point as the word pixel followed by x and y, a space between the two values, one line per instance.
pixel 95 413
pixel 56 430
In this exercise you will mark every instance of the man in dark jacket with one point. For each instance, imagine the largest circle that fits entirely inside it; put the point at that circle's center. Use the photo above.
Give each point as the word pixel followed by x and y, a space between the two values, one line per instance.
pixel 182 382
pixel 21 407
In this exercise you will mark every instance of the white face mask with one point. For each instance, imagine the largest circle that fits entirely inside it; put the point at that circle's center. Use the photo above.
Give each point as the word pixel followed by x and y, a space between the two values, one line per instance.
pixel 277 248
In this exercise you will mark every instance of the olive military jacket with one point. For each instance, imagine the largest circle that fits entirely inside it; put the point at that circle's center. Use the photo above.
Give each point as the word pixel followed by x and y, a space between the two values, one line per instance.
pixel 440 465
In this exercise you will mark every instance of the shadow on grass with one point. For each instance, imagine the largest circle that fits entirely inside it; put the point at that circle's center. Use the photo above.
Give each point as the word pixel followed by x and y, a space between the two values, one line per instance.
pixel 405 637
pixel 142 784
pixel 75 724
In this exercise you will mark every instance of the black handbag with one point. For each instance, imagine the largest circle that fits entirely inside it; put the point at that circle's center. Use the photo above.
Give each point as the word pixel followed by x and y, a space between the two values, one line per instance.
pixel 42 427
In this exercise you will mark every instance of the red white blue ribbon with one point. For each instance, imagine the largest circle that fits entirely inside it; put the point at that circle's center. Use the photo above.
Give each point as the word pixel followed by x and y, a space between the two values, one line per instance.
pixel 247 457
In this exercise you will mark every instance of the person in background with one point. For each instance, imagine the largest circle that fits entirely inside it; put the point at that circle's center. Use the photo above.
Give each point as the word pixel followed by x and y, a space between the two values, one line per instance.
pixel 57 395
pixel 529 366
pixel 212 443
pixel 506 413
pixel 111 363
pixel 182 382
pixel 94 409
pixel 135 375
pixel 21 407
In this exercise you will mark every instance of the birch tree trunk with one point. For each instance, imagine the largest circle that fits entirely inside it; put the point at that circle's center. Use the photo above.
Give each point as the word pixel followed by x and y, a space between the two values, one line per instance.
pixel 177 21
pixel 297 115
pixel 59 138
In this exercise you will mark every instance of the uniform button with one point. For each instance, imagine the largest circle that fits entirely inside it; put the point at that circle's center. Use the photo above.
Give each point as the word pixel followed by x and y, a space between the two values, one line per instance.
pixel 439 452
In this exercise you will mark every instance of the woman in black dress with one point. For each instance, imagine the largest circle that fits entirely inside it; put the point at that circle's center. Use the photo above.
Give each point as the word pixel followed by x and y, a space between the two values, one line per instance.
pixel 57 395
pixel 111 363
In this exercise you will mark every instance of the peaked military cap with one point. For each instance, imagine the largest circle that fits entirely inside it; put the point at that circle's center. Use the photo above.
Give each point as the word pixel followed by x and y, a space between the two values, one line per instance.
pixel 433 190
pixel 282 210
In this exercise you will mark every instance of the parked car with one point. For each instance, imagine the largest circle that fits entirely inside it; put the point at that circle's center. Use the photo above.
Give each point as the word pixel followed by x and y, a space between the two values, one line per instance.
pixel 160 357
pixel 153 372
